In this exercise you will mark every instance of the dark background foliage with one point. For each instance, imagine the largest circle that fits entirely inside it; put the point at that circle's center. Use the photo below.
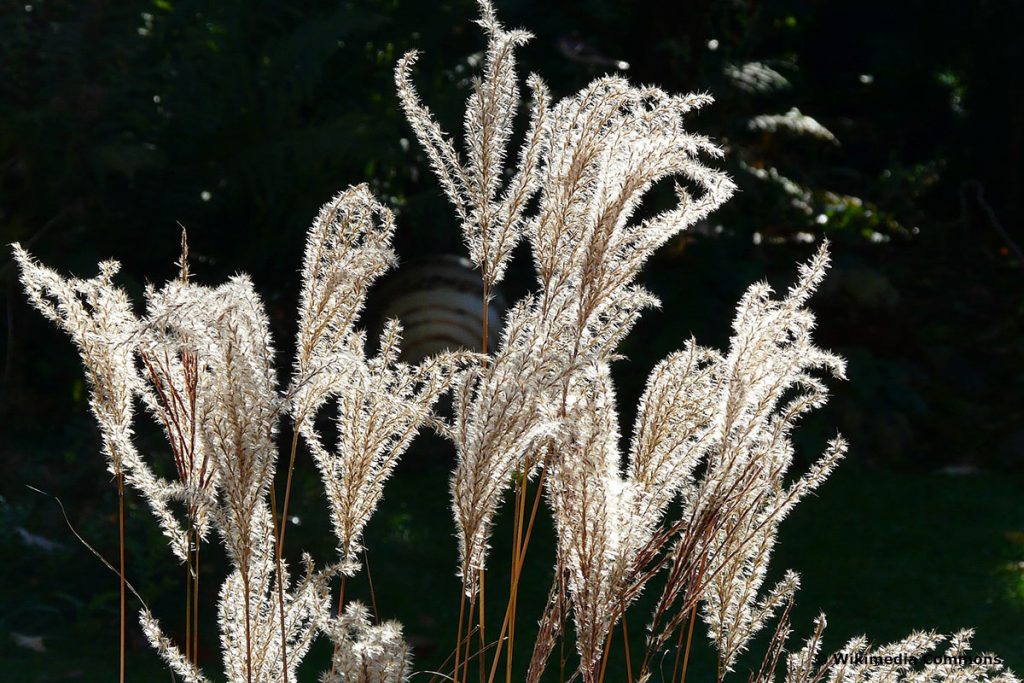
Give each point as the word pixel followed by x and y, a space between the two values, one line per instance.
pixel 122 121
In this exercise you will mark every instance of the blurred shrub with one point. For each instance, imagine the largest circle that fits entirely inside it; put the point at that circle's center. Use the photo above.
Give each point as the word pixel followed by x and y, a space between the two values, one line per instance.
pixel 863 123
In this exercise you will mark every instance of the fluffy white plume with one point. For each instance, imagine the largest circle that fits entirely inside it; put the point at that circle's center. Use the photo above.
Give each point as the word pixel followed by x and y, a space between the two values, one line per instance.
pixel 348 248
pixel 366 653
pixel 99 319
pixel 491 218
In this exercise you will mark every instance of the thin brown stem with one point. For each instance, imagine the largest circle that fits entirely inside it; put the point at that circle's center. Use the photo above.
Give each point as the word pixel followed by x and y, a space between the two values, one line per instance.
pixel 484 323
pixel 369 580
pixel 341 606
pixel 681 577
pixel 483 638
pixel 195 605
pixel 517 569
pixel 520 508
pixel 468 639
pixel 248 630
pixel 280 581
pixel 679 653
pixel 689 642
pixel 288 485
pixel 588 673
pixel 458 632
pixel 563 657
pixel 486 301
pixel 188 596
pixel 693 618
pixel 625 643
pixel 120 524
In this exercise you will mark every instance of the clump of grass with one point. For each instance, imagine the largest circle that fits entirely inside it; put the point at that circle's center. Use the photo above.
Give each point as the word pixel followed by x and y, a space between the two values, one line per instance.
pixel 538 410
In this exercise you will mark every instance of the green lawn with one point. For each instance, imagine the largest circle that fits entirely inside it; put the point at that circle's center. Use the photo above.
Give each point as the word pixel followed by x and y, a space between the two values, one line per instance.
pixel 881 553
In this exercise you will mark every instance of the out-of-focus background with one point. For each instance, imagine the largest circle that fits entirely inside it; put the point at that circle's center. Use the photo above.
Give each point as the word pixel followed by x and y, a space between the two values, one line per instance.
pixel 896 130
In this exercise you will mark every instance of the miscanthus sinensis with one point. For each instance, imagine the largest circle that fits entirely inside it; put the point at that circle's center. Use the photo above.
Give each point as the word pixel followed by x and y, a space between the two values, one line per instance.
pixel 711 440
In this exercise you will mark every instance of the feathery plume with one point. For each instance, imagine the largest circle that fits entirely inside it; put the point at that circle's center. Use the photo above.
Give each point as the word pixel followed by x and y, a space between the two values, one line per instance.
pixel 379 412
pixel 348 248
pixel 367 653
pixel 492 224
pixel 99 319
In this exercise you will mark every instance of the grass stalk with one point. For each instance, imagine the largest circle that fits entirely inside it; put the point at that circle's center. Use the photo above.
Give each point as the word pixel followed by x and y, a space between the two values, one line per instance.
pixel 188 596
pixel 485 306
pixel 278 532
pixel 458 631
pixel 481 661
pixel 369 580
pixel 195 605
pixel 120 524
pixel 288 484
pixel 689 642
pixel 486 296
pixel 468 639
pixel 341 607
pixel 679 653
pixel 625 643
pixel 248 629
pixel 517 549
pixel 693 616
pixel 517 569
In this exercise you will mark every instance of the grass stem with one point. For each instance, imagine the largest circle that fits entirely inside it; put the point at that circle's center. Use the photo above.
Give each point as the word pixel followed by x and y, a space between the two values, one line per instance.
pixel 120 524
